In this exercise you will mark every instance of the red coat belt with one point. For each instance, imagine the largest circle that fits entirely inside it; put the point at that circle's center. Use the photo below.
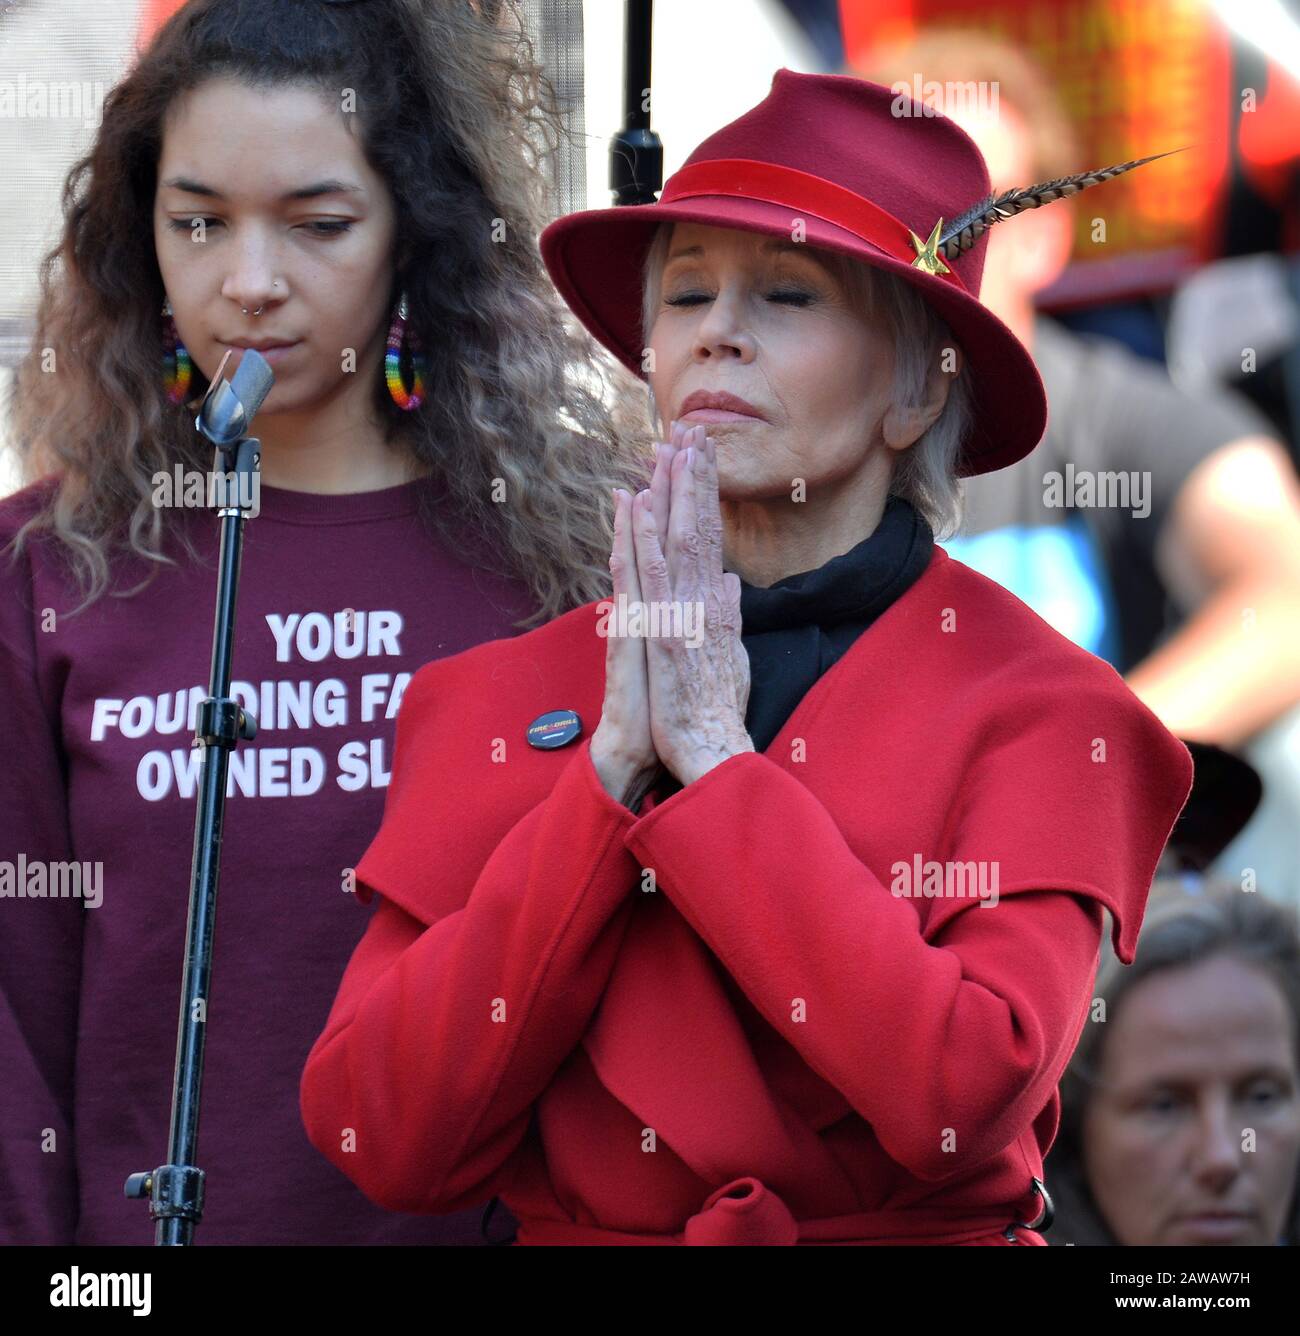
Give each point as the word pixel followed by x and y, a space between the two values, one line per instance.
pixel 746 1213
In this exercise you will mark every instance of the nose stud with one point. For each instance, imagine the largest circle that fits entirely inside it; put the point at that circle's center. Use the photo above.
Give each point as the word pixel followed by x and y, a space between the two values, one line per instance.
pixel 261 308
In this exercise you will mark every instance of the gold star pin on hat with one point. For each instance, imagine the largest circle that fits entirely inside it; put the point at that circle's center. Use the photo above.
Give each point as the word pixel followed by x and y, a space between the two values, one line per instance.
pixel 927 252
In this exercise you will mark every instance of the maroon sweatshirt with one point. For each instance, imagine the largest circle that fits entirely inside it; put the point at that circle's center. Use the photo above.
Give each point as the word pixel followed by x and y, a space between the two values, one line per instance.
pixel 341 599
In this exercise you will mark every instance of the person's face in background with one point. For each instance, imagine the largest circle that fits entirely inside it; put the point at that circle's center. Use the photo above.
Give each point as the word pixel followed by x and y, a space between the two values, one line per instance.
pixel 1193 1135
pixel 1024 255
pixel 330 254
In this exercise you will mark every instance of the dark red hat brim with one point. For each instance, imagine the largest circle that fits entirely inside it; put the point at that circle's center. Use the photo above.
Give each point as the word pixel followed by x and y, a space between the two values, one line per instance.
pixel 596 257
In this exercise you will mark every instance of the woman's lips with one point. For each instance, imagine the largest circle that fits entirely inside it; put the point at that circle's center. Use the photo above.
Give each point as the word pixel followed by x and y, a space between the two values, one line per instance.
pixel 272 355
pixel 1215 1227
pixel 717 415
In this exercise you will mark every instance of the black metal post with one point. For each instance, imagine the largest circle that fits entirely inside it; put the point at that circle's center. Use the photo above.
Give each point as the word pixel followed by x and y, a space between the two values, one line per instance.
pixel 175 1189
pixel 636 157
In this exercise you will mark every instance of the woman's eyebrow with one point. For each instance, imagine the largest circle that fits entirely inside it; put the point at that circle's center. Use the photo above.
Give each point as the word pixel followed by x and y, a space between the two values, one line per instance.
pixel 331 187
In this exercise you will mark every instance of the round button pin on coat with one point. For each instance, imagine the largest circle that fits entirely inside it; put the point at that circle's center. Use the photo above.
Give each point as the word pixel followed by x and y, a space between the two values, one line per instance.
pixel 554 729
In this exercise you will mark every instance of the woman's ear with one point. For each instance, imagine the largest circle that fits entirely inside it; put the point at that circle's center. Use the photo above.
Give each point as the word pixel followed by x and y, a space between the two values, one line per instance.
pixel 403 254
pixel 902 426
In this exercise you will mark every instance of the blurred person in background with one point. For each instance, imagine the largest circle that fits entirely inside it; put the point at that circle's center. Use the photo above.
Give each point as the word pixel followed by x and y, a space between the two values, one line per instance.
pixel 1180 1110
pixel 382 542
pixel 1217 535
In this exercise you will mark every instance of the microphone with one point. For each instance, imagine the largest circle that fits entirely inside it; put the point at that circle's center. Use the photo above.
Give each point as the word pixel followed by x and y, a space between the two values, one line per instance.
pixel 175 1189
pixel 230 406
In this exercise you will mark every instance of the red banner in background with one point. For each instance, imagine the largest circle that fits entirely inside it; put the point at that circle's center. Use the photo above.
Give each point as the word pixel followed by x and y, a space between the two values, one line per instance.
pixel 153 14
pixel 1136 77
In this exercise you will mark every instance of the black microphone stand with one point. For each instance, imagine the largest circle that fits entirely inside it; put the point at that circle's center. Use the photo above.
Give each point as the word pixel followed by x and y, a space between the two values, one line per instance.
pixel 175 1189
pixel 636 155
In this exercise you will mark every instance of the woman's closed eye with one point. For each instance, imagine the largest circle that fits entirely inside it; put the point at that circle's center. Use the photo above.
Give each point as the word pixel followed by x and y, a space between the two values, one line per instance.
pixel 791 296
pixel 331 228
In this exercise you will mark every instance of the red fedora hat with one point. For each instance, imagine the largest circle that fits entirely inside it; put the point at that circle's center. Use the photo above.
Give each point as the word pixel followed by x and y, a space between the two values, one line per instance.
pixel 871 175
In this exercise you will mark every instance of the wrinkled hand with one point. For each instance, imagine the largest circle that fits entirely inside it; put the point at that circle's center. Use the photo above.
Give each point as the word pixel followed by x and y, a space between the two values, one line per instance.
pixel 622 749
pixel 698 692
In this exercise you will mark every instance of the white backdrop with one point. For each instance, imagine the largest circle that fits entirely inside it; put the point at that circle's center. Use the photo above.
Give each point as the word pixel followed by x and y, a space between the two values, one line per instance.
pixel 69 52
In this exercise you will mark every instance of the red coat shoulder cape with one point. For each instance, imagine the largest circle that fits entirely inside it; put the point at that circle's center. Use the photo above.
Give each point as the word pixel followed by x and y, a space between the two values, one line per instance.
pixel 768 1040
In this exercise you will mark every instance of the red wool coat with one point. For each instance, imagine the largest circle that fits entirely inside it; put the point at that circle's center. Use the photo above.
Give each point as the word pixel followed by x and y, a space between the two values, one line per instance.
pixel 775 1044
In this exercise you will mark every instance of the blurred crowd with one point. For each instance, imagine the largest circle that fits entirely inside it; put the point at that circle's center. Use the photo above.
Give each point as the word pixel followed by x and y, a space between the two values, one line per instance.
pixel 1181 1110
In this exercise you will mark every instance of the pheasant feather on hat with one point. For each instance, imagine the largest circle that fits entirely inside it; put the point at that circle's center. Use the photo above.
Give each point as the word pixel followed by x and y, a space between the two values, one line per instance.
pixel 971 224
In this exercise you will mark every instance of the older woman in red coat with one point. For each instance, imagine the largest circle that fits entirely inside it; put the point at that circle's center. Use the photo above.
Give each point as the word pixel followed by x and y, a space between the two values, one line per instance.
pixel 794 946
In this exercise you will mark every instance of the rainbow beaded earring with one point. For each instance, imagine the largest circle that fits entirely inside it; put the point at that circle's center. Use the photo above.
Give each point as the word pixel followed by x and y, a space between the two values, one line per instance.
pixel 178 370
pixel 398 333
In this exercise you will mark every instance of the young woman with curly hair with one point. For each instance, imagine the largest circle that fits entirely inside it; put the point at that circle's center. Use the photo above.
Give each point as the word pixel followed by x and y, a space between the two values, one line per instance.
pixel 328 177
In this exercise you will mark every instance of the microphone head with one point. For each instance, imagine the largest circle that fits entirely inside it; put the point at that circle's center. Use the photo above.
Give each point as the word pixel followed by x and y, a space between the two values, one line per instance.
pixel 252 382
pixel 230 405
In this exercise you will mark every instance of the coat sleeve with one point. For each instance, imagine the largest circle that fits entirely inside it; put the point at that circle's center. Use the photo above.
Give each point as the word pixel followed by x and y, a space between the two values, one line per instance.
pixel 40 954
pixel 447 1028
pixel 947 1032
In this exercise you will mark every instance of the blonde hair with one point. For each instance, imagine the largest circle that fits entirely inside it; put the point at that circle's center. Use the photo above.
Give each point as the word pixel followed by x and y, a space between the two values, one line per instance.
pixel 926 473
pixel 456 115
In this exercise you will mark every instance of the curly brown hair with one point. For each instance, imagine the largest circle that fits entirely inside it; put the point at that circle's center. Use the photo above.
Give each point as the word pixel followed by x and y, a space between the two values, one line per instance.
pixel 458 117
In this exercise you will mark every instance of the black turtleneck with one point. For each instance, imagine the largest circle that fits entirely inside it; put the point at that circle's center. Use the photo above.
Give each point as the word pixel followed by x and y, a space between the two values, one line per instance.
pixel 797 628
